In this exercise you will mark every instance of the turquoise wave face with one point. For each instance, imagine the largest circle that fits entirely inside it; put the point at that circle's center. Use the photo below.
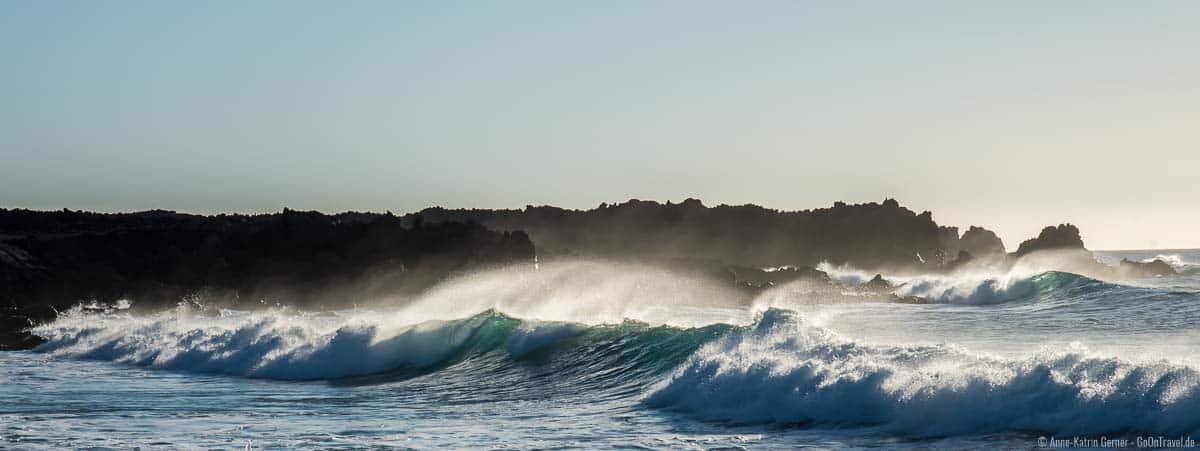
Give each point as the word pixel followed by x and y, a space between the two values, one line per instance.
pixel 782 370
pixel 1052 353
pixel 279 346
pixel 788 372
pixel 992 289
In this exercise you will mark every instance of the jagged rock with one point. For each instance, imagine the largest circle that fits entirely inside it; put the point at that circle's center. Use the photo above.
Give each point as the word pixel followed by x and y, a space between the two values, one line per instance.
pixel 866 235
pixel 981 243
pixel 53 260
pixel 1061 248
pixel 948 237
pixel 1062 236
pixel 14 323
pixel 877 284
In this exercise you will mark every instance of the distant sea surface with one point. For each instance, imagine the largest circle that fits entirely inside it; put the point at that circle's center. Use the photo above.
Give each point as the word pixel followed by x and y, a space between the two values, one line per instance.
pixel 997 361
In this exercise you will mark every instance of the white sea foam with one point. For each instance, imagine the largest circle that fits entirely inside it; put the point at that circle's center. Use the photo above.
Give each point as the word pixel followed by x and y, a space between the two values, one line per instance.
pixel 972 288
pixel 845 275
pixel 786 371
pixel 554 302
pixel 271 344
pixel 282 344
pixel 1175 260
pixel 782 370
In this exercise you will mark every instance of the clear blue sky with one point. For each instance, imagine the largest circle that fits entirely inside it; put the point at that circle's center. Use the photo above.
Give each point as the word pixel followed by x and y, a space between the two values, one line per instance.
pixel 1007 114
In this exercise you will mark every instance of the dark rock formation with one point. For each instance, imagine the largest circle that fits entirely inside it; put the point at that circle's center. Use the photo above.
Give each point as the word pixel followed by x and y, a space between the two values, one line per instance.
pixel 948 238
pixel 1061 248
pixel 52 260
pixel 981 243
pixel 14 320
pixel 976 243
pixel 1063 236
pixel 877 284
pixel 760 278
pixel 866 235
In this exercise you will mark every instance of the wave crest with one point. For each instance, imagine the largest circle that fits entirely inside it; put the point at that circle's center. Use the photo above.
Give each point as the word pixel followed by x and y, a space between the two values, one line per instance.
pixel 993 289
pixel 1176 261
pixel 786 371
pixel 297 346
pixel 271 344
pixel 782 370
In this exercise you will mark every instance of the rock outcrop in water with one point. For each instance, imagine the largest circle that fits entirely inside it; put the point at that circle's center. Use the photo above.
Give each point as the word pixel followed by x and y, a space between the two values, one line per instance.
pixel 1061 247
pixel 869 235
pixel 1060 237
pixel 981 243
pixel 52 260
pixel 878 284
pixel 978 247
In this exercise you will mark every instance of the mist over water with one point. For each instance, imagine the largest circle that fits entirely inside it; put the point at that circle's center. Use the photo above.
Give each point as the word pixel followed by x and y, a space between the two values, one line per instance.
pixel 628 355
pixel 587 292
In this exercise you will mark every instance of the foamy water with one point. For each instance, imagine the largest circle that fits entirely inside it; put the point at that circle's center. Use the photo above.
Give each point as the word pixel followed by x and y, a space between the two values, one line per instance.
pixel 588 355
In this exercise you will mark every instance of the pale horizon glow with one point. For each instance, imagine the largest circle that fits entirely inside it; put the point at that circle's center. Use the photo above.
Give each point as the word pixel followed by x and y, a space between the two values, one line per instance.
pixel 1007 115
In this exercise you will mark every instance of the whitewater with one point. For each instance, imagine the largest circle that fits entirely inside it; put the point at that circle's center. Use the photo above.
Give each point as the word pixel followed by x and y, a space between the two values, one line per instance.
pixel 591 355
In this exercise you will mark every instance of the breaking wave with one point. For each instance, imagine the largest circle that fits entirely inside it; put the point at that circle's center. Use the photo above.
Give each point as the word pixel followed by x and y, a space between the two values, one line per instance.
pixel 845 275
pixel 994 289
pixel 1176 261
pixel 786 372
pixel 686 348
pixel 780 370
pixel 972 288
pixel 294 346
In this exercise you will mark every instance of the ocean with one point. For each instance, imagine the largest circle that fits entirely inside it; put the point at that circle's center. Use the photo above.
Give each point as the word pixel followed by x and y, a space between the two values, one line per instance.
pixel 610 358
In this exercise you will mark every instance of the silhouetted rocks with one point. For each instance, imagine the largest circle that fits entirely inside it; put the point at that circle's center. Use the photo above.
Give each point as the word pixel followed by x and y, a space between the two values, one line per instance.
pixel 1063 236
pixel 880 286
pixel 765 278
pixel 877 284
pixel 15 319
pixel 963 259
pixel 981 243
pixel 866 235
pixel 1061 248
pixel 52 260
pixel 977 246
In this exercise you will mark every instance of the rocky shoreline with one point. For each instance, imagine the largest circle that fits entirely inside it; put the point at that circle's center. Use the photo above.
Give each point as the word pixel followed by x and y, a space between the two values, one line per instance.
pixel 51 261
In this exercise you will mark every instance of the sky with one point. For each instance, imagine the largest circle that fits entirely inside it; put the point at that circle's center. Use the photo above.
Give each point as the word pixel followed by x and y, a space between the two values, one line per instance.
pixel 1010 115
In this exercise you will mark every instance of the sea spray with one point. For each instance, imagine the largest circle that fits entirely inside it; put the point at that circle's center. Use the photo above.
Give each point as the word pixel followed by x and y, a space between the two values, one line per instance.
pixel 996 357
pixel 279 344
pixel 785 371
